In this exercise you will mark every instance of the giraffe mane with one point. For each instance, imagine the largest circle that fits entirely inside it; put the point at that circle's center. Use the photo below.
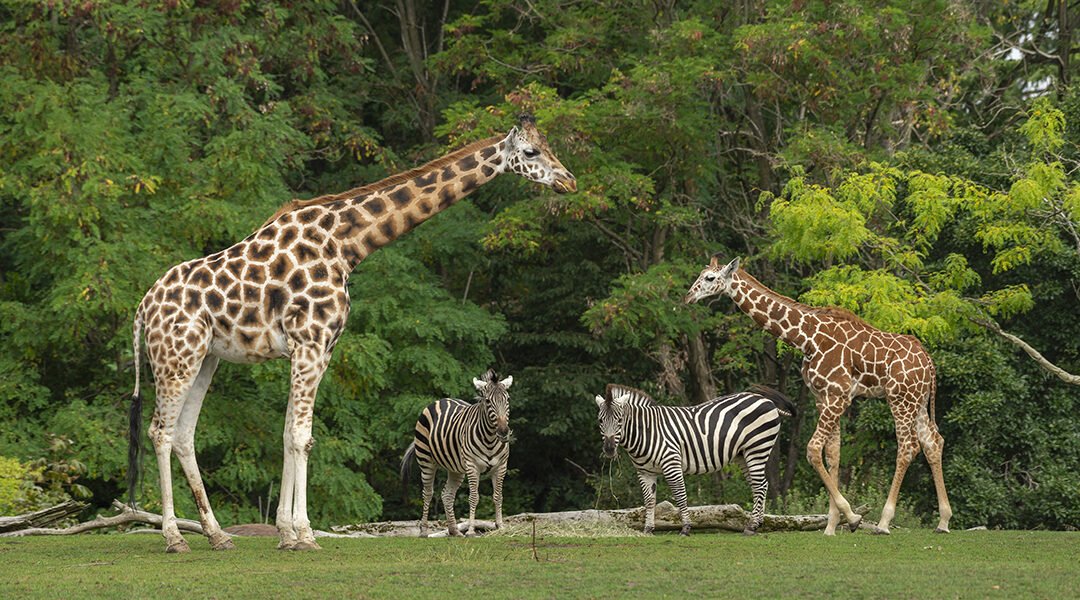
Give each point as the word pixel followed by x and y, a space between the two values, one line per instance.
pixel 828 311
pixel 386 182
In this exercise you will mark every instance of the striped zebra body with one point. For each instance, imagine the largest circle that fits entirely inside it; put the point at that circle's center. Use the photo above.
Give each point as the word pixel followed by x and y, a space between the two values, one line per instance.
pixel 676 440
pixel 467 440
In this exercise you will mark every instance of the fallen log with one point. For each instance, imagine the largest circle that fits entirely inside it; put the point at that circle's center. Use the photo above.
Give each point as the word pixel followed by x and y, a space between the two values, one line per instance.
pixel 127 515
pixel 727 517
pixel 43 517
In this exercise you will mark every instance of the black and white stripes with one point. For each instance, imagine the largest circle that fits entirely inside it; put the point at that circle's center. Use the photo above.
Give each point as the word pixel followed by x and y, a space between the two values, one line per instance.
pixel 467 440
pixel 674 440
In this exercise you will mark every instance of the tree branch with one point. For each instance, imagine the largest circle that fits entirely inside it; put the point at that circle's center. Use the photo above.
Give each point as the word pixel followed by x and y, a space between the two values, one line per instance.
pixel 1061 374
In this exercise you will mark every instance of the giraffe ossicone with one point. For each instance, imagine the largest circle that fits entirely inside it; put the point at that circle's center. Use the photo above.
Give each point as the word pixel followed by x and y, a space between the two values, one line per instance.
pixel 845 357
pixel 282 293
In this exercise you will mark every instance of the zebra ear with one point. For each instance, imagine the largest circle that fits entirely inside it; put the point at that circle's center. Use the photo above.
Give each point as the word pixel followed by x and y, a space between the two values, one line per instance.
pixel 506 383
pixel 600 401
pixel 620 402
pixel 479 384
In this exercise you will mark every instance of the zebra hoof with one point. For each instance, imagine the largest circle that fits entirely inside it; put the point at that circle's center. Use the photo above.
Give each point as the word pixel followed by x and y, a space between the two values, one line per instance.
pixel 749 532
pixel 454 533
pixel 685 531
pixel 647 531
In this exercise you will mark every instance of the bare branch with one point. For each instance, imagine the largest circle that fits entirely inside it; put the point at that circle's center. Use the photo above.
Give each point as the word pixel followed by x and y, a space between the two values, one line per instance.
pixel 1061 374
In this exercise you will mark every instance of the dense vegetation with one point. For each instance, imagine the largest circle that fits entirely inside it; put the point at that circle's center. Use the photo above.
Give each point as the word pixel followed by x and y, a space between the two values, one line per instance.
pixel 913 161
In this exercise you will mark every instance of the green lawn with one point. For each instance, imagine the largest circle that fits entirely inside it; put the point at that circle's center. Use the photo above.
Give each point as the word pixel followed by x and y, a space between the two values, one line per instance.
pixel 908 564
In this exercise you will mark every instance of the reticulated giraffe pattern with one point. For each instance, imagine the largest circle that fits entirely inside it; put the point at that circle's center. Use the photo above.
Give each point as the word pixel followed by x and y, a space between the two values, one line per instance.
pixel 845 357
pixel 282 293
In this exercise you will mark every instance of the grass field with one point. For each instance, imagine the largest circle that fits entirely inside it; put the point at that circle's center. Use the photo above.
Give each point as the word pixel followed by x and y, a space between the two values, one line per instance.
pixel 908 564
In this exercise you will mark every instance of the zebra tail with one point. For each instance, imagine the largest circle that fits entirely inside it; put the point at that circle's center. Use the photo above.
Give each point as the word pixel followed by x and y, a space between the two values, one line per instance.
pixel 135 418
pixel 783 404
pixel 406 468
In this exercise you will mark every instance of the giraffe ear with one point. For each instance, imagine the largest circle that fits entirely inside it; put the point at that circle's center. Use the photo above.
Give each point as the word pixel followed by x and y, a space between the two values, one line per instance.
pixel 731 267
pixel 714 262
pixel 511 138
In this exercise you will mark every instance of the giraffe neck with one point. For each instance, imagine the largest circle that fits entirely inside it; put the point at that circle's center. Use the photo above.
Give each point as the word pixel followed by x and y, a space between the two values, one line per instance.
pixel 781 316
pixel 369 221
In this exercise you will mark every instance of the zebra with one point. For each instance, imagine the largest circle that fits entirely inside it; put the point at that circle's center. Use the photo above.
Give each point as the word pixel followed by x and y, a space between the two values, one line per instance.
pixel 466 440
pixel 673 440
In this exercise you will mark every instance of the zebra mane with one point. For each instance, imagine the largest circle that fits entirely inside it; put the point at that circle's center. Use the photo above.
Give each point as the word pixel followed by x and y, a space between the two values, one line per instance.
pixel 634 395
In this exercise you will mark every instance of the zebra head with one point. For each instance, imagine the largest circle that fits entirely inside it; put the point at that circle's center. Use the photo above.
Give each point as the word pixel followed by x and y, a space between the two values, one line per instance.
pixel 496 402
pixel 612 415
pixel 714 279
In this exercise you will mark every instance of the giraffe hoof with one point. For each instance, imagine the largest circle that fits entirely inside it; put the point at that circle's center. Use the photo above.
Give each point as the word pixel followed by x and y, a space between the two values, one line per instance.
pixel 224 544
pixel 180 547
pixel 306 545
pixel 879 531
pixel 286 545
pixel 853 526
pixel 941 530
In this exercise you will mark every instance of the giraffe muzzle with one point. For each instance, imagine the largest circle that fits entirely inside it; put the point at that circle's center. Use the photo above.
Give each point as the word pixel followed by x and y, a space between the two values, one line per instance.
pixel 565 184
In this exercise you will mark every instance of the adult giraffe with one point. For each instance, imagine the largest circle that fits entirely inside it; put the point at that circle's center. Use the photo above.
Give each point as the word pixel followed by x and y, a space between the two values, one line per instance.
pixel 282 292
pixel 844 357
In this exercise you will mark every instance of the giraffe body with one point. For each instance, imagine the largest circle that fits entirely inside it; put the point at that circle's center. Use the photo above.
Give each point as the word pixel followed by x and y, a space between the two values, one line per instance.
pixel 282 292
pixel 845 357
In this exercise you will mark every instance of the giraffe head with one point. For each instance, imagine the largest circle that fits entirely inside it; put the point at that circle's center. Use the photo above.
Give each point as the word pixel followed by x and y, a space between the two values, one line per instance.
pixel 611 417
pixel 714 279
pixel 496 401
pixel 527 154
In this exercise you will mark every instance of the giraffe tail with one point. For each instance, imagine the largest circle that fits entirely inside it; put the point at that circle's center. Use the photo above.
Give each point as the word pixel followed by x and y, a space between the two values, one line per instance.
pixel 406 468
pixel 135 416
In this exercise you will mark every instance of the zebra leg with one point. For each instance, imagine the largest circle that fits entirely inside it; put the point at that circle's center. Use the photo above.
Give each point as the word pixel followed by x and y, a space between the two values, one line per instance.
pixel 648 493
pixel 453 482
pixel 497 493
pixel 474 496
pixel 759 484
pixel 427 476
pixel 674 476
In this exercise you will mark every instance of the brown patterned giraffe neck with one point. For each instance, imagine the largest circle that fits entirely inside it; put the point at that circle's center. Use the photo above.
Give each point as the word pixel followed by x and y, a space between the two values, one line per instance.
pixel 283 292
pixel 845 357
pixel 785 318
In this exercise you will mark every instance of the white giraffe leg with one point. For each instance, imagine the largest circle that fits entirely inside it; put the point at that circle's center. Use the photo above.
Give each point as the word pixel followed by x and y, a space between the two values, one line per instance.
pixel 308 365
pixel 907 448
pixel 172 386
pixel 832 459
pixel 286 532
pixel 184 448
pixel 933 446
pixel 497 491
pixel 648 494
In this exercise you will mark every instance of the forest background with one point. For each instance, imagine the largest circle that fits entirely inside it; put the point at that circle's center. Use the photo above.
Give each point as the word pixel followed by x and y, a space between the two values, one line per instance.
pixel 913 161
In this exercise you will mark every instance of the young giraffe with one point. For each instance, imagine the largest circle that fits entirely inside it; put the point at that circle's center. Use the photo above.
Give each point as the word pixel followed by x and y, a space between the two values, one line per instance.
pixel 282 292
pixel 845 357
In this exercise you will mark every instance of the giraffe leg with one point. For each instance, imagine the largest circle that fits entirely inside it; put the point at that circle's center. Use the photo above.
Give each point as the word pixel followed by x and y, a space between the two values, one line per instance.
pixel 184 449
pixel 284 522
pixel 674 476
pixel 907 447
pixel 308 365
pixel 474 496
pixel 453 482
pixel 172 387
pixel 427 477
pixel 497 492
pixel 832 457
pixel 648 493
pixel 933 445
pixel 827 422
